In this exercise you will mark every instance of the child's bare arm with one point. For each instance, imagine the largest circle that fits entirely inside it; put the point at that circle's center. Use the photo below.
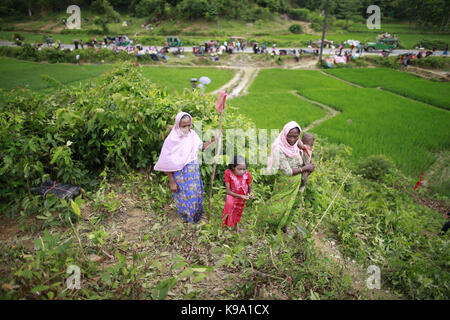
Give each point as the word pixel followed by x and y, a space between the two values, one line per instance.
pixel 207 144
pixel 250 192
pixel 172 184
pixel 231 193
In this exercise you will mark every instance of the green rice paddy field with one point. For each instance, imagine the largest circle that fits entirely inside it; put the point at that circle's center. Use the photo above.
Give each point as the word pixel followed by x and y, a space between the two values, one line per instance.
pixel 16 73
pixel 405 84
pixel 371 121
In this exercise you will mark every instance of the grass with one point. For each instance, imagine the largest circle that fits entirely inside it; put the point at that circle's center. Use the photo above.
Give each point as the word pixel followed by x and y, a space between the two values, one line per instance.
pixel 376 122
pixel 17 73
pixel 371 122
pixel 131 244
pixel 177 79
pixel 405 84
pixel 274 110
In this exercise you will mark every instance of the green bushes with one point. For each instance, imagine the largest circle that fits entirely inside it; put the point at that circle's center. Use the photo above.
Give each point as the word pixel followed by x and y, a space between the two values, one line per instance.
pixel 83 31
pixel 30 53
pixel 441 63
pixel 394 62
pixel 72 135
pixel 388 62
pixel 149 8
pixel 168 30
pixel 430 43
pixel 298 14
pixel 257 13
pixel 375 167
pixel 296 28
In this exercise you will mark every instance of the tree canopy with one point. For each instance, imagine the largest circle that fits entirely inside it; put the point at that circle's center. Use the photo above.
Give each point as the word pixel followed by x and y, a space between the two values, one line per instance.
pixel 424 13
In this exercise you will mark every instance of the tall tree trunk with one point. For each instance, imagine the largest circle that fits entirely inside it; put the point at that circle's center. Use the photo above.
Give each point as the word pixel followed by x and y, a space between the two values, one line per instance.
pixel 446 26
pixel 442 24
pixel 324 30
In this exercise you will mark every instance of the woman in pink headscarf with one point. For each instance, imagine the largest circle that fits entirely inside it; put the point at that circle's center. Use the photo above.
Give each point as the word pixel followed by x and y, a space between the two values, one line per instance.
pixel 286 161
pixel 178 159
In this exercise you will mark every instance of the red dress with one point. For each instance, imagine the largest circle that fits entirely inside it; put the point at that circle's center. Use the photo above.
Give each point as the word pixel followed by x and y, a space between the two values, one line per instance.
pixel 232 211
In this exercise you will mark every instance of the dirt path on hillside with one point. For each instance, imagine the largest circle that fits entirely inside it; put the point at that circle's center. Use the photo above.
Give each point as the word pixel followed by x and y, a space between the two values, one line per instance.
pixel 434 75
pixel 305 64
pixel 238 86
pixel 230 85
pixel 340 79
pixel 247 73
pixel 330 111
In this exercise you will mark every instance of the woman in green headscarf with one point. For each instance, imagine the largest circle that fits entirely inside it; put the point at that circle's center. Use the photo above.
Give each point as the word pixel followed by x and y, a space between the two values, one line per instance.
pixel 286 161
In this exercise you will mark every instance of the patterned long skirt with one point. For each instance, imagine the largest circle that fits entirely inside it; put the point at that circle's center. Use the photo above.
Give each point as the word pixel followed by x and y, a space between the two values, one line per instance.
pixel 232 212
pixel 278 210
pixel 189 197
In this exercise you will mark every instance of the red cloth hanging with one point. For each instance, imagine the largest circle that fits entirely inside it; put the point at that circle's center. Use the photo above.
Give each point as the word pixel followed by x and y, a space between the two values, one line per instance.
pixel 220 104
pixel 418 182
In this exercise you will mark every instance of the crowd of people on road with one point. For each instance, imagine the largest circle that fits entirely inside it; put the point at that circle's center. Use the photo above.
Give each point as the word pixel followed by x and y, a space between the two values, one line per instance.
pixel 216 48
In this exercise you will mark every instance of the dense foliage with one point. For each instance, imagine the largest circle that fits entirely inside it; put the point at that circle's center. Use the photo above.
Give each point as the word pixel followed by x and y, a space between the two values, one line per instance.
pixel 32 53
pixel 425 13
pixel 295 28
pixel 110 134
pixel 73 134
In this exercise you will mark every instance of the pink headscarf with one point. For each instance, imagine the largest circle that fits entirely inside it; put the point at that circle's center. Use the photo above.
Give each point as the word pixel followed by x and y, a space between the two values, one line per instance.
pixel 282 143
pixel 178 150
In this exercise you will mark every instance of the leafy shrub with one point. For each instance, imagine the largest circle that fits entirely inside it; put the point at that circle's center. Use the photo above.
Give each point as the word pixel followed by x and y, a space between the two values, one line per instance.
pixel 52 55
pixel 316 26
pixel 192 8
pixel 18 36
pixel 29 53
pixel 149 8
pixel 295 28
pixel 360 62
pixel 430 43
pixel 299 14
pixel 389 62
pixel 432 63
pixel 375 167
pixel 168 30
pixel 82 31
pixel 256 13
pixel 70 136
pixel 104 8
pixel 10 51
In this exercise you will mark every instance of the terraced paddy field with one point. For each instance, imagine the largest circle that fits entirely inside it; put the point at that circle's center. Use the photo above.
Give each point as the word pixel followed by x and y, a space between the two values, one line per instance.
pixel 272 110
pixel 177 79
pixel 18 73
pixel 371 121
pixel 405 84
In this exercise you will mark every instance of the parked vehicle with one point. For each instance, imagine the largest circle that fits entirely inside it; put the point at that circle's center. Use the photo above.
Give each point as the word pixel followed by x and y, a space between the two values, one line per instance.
pixel 173 41
pixel 382 44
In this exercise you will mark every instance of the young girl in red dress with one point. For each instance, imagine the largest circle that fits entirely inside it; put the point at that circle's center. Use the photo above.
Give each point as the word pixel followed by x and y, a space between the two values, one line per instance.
pixel 238 183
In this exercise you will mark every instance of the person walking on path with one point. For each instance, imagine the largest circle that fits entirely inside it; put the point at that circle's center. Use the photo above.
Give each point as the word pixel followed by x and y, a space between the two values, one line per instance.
pixel 178 159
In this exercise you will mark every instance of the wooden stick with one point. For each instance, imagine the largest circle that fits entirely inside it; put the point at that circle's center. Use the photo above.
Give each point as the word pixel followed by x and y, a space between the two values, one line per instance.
pixel 331 201
pixel 213 173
